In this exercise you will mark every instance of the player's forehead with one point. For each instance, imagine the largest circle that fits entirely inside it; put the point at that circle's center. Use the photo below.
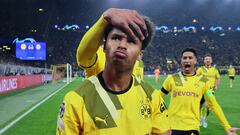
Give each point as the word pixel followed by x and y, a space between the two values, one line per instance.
pixel 116 31
pixel 208 58
pixel 188 54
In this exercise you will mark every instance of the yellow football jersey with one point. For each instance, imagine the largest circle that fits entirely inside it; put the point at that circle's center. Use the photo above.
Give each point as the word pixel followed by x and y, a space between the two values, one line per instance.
pixel 211 73
pixel 231 72
pixel 138 69
pixel 93 109
pixel 186 94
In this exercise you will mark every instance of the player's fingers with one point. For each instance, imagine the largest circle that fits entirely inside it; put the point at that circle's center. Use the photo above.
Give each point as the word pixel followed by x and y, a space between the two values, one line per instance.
pixel 130 32
pixel 137 30
pixel 139 20
pixel 143 27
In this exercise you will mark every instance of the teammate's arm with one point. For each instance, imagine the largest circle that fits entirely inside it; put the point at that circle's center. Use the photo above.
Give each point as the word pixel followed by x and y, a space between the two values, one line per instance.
pixel 217 110
pixel 167 86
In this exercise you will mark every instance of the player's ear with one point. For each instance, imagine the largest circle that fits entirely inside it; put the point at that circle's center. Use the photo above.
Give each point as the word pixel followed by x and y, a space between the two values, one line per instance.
pixel 140 55
pixel 104 43
pixel 195 61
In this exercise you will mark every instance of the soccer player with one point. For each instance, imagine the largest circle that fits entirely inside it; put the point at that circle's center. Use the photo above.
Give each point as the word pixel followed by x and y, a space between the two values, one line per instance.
pixel 214 79
pixel 231 74
pixel 187 88
pixel 156 74
pixel 210 72
pixel 90 54
pixel 114 101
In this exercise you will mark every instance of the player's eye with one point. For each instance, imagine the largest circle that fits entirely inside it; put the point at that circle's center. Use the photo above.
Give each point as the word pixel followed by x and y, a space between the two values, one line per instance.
pixel 115 37
pixel 131 41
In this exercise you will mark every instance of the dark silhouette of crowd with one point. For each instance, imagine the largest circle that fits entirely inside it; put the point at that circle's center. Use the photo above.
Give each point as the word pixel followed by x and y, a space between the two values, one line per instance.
pixel 167 47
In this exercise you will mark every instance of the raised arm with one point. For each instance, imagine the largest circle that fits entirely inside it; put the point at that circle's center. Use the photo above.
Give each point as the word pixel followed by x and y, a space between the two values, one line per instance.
pixel 217 110
pixel 130 20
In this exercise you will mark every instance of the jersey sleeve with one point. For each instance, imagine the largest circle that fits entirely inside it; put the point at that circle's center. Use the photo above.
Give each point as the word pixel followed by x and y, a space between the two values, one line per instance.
pixel 217 110
pixel 86 51
pixel 68 122
pixel 98 66
pixel 217 74
pixel 161 122
pixel 167 86
pixel 199 71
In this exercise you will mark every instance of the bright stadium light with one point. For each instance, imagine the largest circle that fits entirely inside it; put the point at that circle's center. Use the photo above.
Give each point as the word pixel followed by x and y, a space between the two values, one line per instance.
pixel 40 10
pixel 87 27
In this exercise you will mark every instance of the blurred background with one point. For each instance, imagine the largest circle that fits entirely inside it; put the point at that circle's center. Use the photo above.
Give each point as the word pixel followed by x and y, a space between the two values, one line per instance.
pixel 39 38
pixel 207 25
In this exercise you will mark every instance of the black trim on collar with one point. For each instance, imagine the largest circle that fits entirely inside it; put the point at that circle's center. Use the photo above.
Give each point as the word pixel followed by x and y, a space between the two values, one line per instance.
pixel 188 75
pixel 101 80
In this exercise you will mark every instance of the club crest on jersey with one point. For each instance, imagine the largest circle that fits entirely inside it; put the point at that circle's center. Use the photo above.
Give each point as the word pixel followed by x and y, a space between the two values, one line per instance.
pixel 61 110
pixel 145 109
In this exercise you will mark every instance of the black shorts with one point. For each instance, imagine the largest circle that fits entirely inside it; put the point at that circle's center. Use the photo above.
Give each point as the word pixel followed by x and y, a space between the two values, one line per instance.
pixel 185 132
pixel 202 101
pixel 231 77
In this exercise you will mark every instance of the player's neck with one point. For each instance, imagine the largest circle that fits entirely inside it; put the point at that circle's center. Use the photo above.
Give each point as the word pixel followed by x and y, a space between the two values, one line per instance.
pixel 117 81
pixel 208 66
pixel 188 73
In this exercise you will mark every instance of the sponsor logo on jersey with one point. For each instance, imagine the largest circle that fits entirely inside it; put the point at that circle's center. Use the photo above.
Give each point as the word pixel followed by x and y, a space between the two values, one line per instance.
pixel 184 93
pixel 98 119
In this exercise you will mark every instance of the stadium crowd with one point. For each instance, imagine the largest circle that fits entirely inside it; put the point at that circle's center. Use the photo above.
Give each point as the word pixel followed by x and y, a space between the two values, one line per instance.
pixel 61 48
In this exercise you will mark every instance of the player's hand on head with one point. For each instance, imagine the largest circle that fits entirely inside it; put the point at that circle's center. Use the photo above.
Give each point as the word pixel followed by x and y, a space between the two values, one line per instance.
pixel 130 20
pixel 233 131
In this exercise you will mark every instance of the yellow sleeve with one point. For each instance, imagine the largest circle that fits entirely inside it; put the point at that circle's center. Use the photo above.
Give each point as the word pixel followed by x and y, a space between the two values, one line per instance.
pixel 161 123
pixel 68 122
pixel 167 86
pixel 217 74
pixel 99 64
pixel 138 69
pixel 86 51
pixel 199 71
pixel 217 110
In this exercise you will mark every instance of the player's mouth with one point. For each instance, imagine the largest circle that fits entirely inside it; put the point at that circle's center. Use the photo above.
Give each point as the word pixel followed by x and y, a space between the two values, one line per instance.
pixel 187 66
pixel 120 54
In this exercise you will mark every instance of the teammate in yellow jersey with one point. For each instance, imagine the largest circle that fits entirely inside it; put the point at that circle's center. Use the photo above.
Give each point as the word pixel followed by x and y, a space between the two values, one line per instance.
pixel 114 101
pixel 210 72
pixel 231 74
pixel 90 54
pixel 187 88
pixel 214 79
